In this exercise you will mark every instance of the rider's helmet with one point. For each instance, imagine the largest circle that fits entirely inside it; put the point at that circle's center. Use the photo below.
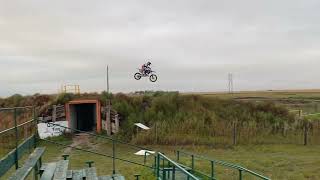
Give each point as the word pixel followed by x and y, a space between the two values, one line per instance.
pixel 149 63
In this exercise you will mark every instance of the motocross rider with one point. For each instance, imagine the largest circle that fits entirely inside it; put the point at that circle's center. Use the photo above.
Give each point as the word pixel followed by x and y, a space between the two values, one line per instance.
pixel 146 69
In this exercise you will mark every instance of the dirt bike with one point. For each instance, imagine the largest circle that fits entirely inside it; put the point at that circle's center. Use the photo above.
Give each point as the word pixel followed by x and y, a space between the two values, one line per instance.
pixel 149 73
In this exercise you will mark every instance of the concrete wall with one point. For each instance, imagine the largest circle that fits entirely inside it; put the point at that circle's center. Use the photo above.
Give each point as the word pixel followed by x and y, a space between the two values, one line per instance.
pixel 71 113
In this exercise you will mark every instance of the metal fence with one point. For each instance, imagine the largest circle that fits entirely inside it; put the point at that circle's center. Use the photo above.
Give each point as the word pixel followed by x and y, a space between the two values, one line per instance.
pixel 213 164
pixel 16 135
pixel 167 169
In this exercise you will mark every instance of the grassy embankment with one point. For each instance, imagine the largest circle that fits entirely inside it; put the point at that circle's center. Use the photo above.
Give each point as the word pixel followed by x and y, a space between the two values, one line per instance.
pixel 204 125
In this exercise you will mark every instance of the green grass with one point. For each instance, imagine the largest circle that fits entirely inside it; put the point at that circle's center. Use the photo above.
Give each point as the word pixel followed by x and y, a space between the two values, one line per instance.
pixel 306 100
pixel 297 94
pixel 274 161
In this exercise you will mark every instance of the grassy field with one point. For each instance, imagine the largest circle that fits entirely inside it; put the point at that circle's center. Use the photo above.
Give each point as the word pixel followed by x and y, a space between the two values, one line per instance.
pixel 298 94
pixel 274 161
pixel 277 160
pixel 306 100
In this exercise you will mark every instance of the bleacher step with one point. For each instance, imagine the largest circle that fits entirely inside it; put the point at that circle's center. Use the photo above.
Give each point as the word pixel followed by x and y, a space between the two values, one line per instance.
pixel 78 174
pixel 105 178
pixel 91 173
pixel 61 170
pixel 48 171
pixel 113 177
pixel 69 175
pixel 31 162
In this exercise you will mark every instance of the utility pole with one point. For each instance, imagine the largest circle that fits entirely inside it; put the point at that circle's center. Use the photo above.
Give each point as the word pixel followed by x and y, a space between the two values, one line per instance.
pixel 230 83
pixel 108 79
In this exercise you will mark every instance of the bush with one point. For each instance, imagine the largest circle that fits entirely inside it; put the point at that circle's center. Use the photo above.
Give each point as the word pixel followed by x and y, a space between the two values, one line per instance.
pixel 64 98
pixel 190 119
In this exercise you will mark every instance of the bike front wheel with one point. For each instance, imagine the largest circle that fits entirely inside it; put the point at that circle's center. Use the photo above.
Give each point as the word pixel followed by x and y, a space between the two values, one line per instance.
pixel 137 76
pixel 153 78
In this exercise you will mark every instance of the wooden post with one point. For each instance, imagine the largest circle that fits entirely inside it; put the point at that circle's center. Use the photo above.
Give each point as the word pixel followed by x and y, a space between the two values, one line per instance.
pixel 305 133
pixel 305 124
pixel 108 80
pixel 113 157
pixel 156 132
pixel 234 133
pixel 108 118
pixel 54 113
pixel 35 120
pixel 116 121
pixel 16 138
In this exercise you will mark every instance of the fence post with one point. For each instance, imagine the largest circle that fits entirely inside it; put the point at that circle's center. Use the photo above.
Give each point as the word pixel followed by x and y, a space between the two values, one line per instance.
pixel 113 157
pixel 212 169
pixel 164 174
pixel 305 133
pixel 162 162
pixel 178 156
pixel 234 134
pixel 35 119
pixel 192 162
pixel 155 164
pixel 145 158
pixel 158 165
pixel 240 174
pixel 174 172
pixel 169 164
pixel 156 132
pixel 16 137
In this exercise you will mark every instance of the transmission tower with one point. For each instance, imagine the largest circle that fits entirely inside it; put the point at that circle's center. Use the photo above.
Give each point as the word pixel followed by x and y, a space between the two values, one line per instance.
pixel 108 88
pixel 230 83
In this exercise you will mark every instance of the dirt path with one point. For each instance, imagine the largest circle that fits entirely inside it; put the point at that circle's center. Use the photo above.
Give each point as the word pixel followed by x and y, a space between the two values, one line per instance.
pixel 79 139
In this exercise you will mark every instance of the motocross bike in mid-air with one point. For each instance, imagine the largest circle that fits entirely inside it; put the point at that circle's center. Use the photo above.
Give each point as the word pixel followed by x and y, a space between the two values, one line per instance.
pixel 146 73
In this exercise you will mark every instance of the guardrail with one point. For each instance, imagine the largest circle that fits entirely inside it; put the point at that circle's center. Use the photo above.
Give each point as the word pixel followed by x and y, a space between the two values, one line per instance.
pixel 167 169
pixel 212 176
pixel 13 156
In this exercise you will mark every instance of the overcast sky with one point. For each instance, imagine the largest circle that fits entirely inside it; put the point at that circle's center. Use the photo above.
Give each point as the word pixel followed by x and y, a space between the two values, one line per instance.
pixel 193 44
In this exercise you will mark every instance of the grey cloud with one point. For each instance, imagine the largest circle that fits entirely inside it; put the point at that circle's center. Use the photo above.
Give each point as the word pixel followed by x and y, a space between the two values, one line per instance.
pixel 193 44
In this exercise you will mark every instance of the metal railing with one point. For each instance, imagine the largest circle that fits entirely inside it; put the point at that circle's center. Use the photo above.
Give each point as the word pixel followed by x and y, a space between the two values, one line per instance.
pixel 213 163
pixel 19 149
pixel 167 169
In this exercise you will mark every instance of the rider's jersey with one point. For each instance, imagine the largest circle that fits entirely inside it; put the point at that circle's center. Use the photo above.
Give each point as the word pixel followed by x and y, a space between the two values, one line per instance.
pixel 145 67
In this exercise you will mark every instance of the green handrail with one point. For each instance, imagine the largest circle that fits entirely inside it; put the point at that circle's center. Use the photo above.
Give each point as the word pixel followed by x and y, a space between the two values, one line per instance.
pixel 14 110
pixel 175 167
pixel 222 163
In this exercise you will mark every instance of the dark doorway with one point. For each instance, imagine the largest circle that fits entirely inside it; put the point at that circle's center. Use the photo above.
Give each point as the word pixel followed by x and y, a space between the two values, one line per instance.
pixel 86 116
